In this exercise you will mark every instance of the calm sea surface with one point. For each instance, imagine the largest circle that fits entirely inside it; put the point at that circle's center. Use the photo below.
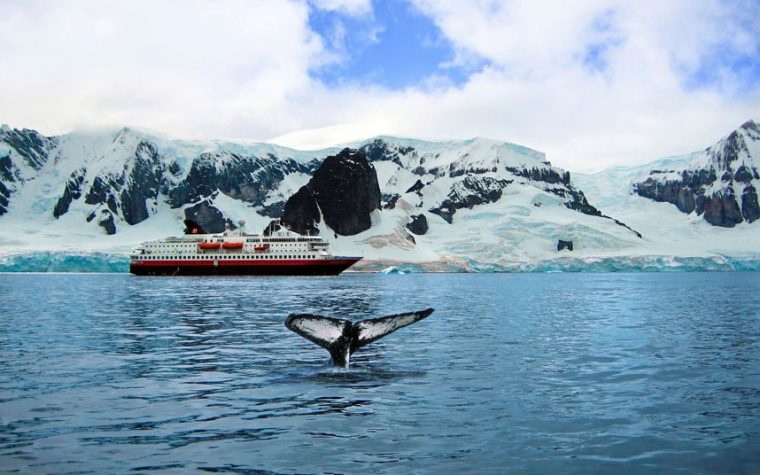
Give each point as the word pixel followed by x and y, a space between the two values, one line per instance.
pixel 520 373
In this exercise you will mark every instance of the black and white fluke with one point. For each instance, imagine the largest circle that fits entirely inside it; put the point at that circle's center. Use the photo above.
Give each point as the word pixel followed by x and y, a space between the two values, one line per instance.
pixel 342 337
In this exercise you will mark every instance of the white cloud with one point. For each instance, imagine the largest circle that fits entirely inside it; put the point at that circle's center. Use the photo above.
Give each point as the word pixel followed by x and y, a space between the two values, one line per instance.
pixel 632 106
pixel 590 83
pixel 349 7
pixel 191 67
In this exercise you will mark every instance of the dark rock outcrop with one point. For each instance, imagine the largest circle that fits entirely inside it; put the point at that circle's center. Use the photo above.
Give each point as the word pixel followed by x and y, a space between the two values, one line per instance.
pixel 418 225
pixel 547 175
pixel 469 192
pixel 343 191
pixel 6 176
pixel 124 193
pixel 564 245
pixel 721 209
pixel 29 151
pixel 107 222
pixel 30 145
pixel 380 150
pixel 418 185
pixel 575 199
pixel 272 210
pixel 5 193
pixel 72 191
pixel 103 191
pixel 208 217
pixel 301 212
pixel 248 179
pixel 142 184
pixel 708 189
pixel 682 192
pixel 6 169
pixel 750 204
pixel 389 200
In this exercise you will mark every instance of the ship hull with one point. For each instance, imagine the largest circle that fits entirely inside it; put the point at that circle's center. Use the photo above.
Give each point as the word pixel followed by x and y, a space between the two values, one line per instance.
pixel 221 267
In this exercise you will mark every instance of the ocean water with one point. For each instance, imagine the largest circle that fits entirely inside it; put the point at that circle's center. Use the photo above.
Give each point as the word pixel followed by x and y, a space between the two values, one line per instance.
pixel 513 373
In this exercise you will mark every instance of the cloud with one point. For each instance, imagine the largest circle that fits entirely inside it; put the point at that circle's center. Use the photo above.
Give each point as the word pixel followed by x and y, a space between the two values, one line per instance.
pixel 590 83
pixel 594 84
pixel 188 67
pixel 348 7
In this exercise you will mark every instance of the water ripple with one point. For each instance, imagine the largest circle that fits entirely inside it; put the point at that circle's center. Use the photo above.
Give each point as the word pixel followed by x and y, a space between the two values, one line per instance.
pixel 586 373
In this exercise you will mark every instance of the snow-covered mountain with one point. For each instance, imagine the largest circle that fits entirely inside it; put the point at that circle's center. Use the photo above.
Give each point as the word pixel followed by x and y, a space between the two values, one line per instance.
pixel 695 205
pixel 478 204
pixel 719 184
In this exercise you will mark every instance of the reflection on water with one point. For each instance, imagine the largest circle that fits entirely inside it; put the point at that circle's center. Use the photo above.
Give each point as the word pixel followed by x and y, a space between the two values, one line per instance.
pixel 525 373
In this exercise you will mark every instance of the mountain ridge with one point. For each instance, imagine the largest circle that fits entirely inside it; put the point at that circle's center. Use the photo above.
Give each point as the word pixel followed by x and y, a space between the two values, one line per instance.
pixel 118 188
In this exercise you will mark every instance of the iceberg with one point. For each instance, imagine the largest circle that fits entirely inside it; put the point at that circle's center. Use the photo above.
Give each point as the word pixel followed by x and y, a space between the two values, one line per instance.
pixel 392 270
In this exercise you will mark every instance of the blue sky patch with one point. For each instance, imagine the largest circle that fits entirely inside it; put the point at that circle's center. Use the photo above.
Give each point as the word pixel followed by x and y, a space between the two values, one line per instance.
pixel 394 47
pixel 596 56
pixel 723 69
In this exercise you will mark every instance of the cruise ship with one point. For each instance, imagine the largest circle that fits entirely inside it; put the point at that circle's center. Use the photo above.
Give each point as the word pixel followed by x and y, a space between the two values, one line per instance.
pixel 233 252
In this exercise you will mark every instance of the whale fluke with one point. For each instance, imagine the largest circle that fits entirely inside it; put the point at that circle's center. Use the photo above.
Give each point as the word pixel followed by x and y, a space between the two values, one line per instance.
pixel 342 337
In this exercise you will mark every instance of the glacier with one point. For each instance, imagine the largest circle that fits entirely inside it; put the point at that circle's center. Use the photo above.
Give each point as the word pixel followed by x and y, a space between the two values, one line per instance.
pixel 51 261
pixel 98 262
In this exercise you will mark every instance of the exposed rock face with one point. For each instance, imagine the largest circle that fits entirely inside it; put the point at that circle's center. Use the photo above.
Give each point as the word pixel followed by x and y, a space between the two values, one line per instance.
pixel 249 179
pixel 469 192
pixel 564 245
pixel 142 184
pixel 721 185
pixel 301 212
pixel 577 200
pixel 379 150
pixel 73 191
pixel 208 217
pixel 721 209
pixel 5 194
pixel 418 185
pixel 418 225
pixel 29 146
pixel 343 190
pixel 22 154
pixel 107 222
pixel 130 187
pixel 750 204
pixel 471 178
pixel 130 192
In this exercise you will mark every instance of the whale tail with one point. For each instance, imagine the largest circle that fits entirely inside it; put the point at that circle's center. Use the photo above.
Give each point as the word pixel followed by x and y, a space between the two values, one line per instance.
pixel 342 337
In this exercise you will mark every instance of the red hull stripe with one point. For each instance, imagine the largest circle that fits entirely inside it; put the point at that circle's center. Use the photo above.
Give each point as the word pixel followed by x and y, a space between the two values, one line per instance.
pixel 247 263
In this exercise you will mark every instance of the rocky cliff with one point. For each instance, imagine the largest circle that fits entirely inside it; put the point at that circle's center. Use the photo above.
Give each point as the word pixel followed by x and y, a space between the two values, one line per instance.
pixel 344 191
pixel 22 154
pixel 123 178
pixel 720 185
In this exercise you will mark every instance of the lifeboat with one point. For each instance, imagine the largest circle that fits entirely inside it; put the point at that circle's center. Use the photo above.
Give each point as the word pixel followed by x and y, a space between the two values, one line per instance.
pixel 261 247
pixel 232 245
pixel 209 245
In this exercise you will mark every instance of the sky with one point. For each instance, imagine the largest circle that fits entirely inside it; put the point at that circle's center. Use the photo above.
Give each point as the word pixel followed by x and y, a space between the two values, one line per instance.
pixel 592 83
